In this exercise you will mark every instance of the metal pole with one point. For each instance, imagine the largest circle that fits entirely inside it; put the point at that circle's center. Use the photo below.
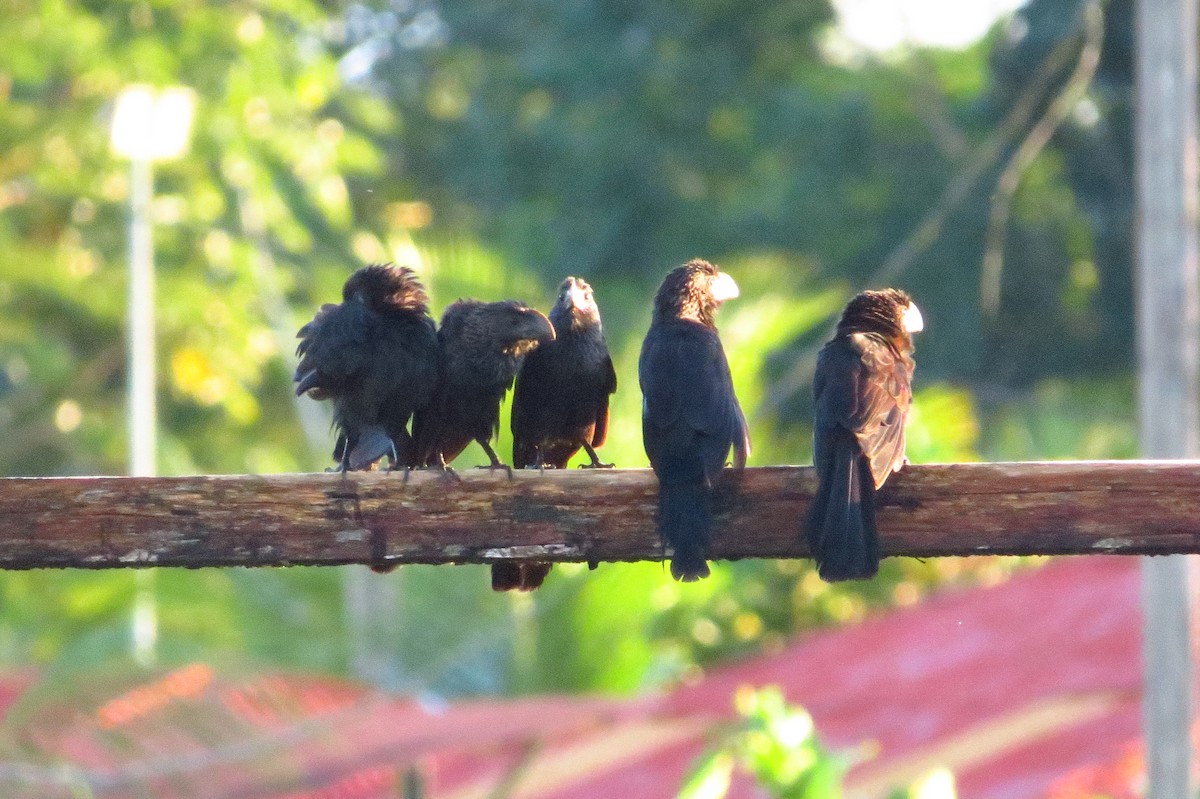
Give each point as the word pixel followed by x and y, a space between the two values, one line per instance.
pixel 142 420
pixel 1168 304
pixel 142 413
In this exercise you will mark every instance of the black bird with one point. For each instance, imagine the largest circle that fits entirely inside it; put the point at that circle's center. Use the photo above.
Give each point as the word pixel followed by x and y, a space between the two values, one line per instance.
pixel 690 414
pixel 375 356
pixel 862 391
pixel 481 346
pixel 560 404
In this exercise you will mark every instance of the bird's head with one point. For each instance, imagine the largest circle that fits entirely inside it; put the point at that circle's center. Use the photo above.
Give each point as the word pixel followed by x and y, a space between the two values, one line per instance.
pixel 575 305
pixel 384 287
pixel 890 313
pixel 694 291
pixel 516 327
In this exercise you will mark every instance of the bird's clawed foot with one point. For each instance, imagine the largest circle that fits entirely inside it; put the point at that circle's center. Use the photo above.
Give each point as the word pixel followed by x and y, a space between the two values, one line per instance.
pixel 446 473
pixel 394 464
pixel 596 463
pixel 394 459
pixel 496 463
pixel 439 465
pixel 343 466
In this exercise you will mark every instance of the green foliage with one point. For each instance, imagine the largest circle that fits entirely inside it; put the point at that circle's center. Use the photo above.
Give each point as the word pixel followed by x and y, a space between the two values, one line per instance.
pixel 258 204
pixel 1059 420
pixel 606 139
pixel 255 214
pixel 775 744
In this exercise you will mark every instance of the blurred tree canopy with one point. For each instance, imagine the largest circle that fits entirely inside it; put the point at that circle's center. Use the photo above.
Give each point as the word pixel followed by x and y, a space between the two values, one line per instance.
pixel 498 147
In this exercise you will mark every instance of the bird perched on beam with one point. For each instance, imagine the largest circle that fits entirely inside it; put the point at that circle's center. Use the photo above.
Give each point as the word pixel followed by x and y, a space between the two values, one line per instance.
pixel 862 390
pixel 690 414
pixel 481 346
pixel 375 357
pixel 560 404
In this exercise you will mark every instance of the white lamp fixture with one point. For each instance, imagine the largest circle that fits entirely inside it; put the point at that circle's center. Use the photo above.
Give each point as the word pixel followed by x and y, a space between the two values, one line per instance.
pixel 152 125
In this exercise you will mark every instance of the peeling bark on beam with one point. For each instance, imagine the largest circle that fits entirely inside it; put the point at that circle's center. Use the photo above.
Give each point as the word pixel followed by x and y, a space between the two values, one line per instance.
pixel 1117 507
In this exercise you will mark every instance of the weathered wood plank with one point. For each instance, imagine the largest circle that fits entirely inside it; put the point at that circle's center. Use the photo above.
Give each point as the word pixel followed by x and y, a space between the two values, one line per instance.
pixel 1115 507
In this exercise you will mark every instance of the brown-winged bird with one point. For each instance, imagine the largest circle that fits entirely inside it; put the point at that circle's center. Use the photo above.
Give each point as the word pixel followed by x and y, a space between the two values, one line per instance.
pixel 690 414
pixel 481 346
pixel 560 404
pixel 862 390
pixel 375 357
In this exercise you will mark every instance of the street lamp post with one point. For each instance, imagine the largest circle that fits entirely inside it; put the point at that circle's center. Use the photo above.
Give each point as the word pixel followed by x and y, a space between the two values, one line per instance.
pixel 148 125
pixel 142 407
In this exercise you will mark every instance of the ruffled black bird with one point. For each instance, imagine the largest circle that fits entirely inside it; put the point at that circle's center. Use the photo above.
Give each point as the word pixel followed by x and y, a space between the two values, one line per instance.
pixel 375 357
pixel 690 414
pixel 560 404
pixel 862 390
pixel 481 346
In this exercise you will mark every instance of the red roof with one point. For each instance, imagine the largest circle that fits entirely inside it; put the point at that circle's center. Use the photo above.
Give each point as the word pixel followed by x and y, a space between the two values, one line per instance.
pixel 1010 687
pixel 1028 689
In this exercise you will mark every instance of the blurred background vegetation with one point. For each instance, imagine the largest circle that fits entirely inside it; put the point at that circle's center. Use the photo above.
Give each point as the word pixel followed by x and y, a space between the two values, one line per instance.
pixel 498 147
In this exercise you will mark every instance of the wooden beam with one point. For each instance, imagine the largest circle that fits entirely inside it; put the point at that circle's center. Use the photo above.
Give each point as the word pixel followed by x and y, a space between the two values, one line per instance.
pixel 1119 507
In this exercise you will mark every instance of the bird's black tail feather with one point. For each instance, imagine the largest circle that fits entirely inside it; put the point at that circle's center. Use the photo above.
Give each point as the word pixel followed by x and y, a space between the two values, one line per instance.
pixel 841 523
pixel 685 524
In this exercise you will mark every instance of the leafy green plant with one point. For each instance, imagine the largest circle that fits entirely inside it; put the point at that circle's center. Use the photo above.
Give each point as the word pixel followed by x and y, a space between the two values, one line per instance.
pixel 777 745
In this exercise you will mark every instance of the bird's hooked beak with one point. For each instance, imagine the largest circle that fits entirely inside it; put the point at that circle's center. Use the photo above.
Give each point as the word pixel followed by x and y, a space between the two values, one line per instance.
pixel 538 327
pixel 912 320
pixel 724 288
